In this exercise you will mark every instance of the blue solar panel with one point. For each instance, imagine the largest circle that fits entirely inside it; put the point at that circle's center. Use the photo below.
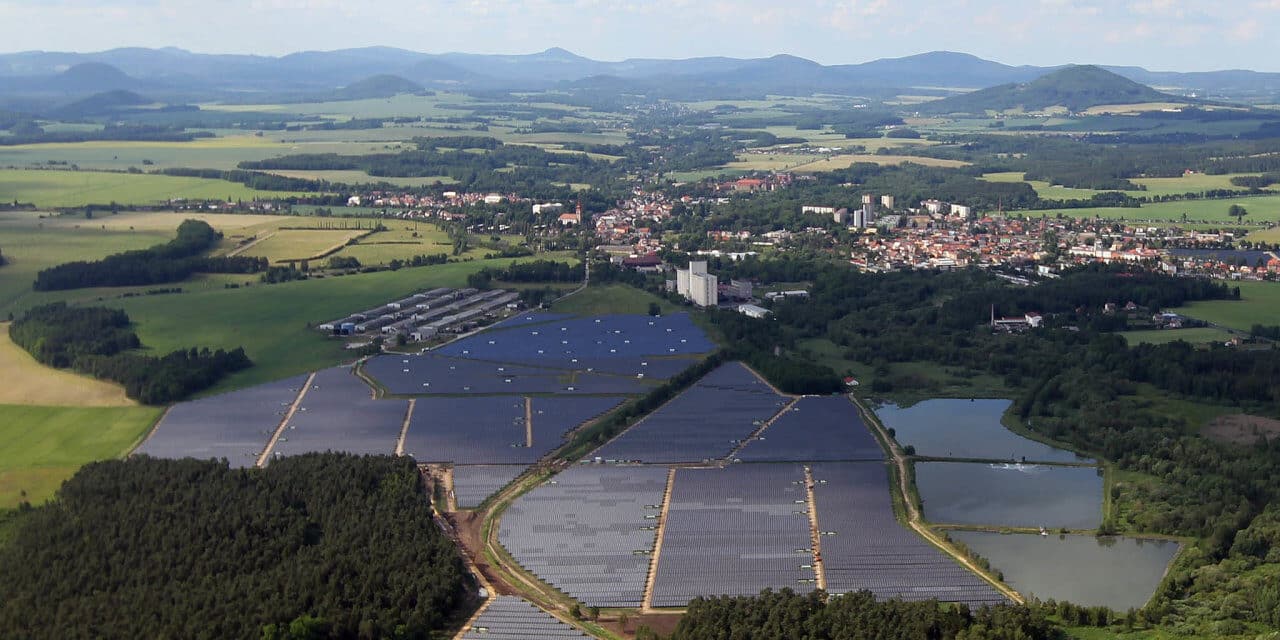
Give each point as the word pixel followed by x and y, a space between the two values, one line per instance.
pixel 624 345
pixel 338 413
pixel 235 425
pixel 734 531
pixel 473 483
pixel 430 374
pixel 815 428
pixel 706 422
pixel 864 547
pixel 589 532
pixel 511 618
pixel 478 430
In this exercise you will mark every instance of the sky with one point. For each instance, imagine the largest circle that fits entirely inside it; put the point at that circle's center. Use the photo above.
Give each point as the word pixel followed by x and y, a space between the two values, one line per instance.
pixel 1167 35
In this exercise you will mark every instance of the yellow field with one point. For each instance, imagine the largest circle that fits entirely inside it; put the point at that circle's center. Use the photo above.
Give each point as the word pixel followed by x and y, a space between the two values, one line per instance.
pixel 27 382
pixel 845 161
pixel 227 223
pixel 298 244
pixel 1141 107
pixel 1264 235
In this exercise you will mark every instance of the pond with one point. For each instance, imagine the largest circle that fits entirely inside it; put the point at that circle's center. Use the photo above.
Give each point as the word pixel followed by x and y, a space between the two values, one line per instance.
pixel 1116 572
pixel 1015 495
pixel 946 428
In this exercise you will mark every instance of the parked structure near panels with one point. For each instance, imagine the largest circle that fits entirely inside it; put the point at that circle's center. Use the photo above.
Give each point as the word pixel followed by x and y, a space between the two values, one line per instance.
pixel 511 618
pixel 865 548
pixel 339 413
pixel 625 345
pixel 815 428
pixel 589 532
pixel 735 531
pixel 438 308
pixel 706 422
pixel 473 483
pixel 235 425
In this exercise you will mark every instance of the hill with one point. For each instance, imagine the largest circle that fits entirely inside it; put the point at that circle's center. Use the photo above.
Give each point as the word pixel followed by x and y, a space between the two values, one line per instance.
pixel 1076 88
pixel 379 86
pixel 101 103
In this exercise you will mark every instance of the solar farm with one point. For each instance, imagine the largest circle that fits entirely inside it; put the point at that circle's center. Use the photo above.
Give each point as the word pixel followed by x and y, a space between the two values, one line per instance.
pixel 729 488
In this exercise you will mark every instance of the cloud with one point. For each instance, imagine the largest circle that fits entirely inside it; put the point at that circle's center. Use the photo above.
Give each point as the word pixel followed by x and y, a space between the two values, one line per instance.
pixel 1245 30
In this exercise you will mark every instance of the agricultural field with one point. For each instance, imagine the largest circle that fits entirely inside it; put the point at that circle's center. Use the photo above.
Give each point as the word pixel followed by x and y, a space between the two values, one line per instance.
pixel 813 163
pixel 1194 183
pixel 1263 210
pixel 42 446
pixel 57 189
pixel 1198 335
pixel 1259 303
pixel 360 177
pixel 285 245
pixel 23 380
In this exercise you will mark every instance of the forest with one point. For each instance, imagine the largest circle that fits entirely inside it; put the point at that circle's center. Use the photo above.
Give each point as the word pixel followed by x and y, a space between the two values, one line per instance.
pixel 173 261
pixel 100 342
pixel 535 271
pixel 786 615
pixel 314 546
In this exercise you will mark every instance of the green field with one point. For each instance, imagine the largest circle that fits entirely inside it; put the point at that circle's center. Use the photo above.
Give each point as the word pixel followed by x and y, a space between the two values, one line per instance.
pixel 272 322
pixel 1262 210
pixel 1197 335
pixel 49 188
pixel 1259 303
pixel 298 244
pixel 42 446
pixel 360 177
pixel 612 298
pixel 1194 183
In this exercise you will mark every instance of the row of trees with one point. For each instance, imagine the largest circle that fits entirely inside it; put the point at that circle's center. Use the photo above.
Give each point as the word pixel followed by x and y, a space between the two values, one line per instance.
pixel 314 546
pixel 100 342
pixel 173 261
pixel 535 271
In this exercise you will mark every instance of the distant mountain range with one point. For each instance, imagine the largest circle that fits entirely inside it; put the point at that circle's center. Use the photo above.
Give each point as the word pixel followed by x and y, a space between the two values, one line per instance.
pixel 172 74
pixel 1075 88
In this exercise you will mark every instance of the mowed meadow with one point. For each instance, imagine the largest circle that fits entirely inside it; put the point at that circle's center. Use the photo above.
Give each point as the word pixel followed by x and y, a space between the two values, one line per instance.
pixel 49 188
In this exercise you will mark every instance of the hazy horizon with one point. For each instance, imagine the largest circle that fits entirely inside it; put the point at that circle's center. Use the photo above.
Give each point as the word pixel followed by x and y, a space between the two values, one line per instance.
pixel 1160 35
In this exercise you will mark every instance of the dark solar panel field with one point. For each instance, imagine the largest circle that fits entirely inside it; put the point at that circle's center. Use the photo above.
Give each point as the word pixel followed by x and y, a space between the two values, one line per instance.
pixel 704 423
pixel 624 344
pixel 430 374
pixel 235 425
pixel 529 317
pixel 589 532
pixel 481 430
pixel 473 483
pixel 815 428
pixel 511 618
pixel 339 414
pixel 864 546
pixel 553 417
pixel 734 531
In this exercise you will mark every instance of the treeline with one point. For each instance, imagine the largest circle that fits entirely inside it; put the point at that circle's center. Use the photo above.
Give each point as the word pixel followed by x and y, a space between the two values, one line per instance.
pixel 535 271
pixel 252 179
pixel 139 133
pixel 173 261
pixel 314 546
pixel 786 615
pixel 100 342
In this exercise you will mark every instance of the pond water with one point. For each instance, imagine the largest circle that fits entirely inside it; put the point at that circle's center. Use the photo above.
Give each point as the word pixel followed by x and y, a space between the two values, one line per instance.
pixel 1010 494
pixel 1115 572
pixel 947 428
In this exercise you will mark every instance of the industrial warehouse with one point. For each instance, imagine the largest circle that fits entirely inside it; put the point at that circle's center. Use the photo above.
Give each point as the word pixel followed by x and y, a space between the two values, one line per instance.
pixel 425 315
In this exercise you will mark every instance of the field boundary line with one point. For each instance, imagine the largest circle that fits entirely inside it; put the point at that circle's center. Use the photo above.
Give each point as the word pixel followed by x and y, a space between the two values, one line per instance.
pixel 155 426
pixel 765 381
pixel 404 428
pixel 245 247
pixel 757 433
pixel 914 519
pixel 815 531
pixel 284 423
pixel 484 606
pixel 646 602
pixel 528 422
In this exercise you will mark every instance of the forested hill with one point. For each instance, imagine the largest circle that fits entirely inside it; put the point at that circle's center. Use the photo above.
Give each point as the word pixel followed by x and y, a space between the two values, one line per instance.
pixel 315 546
pixel 1076 88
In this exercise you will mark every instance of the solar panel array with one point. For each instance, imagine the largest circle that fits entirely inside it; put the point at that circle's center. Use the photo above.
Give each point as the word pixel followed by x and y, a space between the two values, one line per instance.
pixel 339 414
pixel 589 532
pixel 815 428
pixel 512 618
pixel 864 547
pixel 430 374
pixel 622 344
pixel 473 483
pixel 556 416
pixel 734 531
pixel 472 430
pixel 529 317
pixel 235 425
pixel 705 422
